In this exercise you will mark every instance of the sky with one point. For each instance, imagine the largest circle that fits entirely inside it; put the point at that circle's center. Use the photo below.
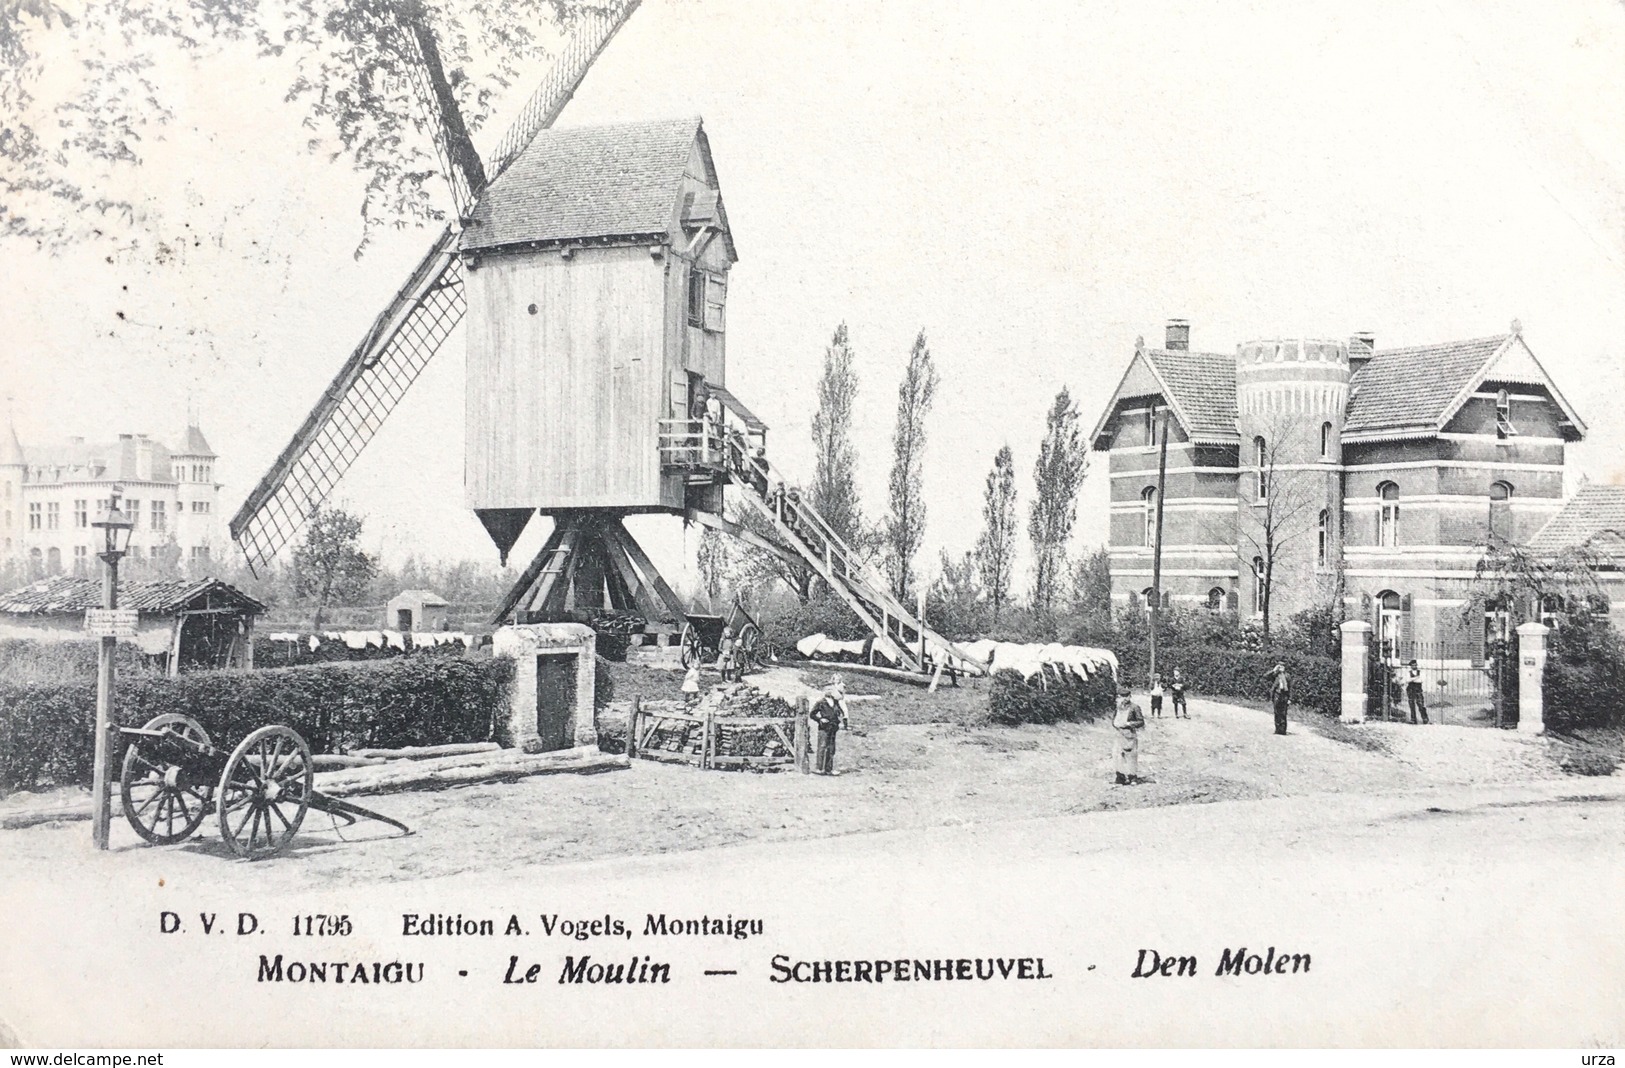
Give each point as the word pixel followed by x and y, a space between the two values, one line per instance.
pixel 1033 184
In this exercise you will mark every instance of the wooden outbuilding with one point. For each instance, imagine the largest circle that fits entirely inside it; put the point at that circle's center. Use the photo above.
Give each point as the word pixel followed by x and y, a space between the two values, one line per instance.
pixel 186 624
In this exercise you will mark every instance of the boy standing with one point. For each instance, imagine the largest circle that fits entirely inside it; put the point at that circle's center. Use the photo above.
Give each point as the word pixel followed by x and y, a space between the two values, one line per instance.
pixel 1177 689
pixel 1128 723
pixel 1156 696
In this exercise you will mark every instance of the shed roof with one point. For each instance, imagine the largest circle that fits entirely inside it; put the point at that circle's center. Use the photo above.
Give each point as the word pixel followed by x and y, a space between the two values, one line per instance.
pixel 425 597
pixel 63 594
pixel 588 181
pixel 1596 513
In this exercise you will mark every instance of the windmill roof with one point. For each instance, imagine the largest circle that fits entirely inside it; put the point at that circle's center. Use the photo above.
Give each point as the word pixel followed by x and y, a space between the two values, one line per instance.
pixel 1202 388
pixel 587 181
pixel 1413 388
pixel 66 594
pixel 1597 512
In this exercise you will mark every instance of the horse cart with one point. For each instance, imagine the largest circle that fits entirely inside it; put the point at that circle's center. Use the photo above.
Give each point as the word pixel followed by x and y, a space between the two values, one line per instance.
pixel 173 777
pixel 702 638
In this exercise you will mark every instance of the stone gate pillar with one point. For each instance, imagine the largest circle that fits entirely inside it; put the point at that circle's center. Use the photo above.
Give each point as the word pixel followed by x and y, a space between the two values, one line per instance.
pixel 1531 674
pixel 527 644
pixel 1356 632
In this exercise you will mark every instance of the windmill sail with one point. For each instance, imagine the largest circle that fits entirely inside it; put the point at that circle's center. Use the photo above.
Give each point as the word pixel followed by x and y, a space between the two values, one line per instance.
pixel 403 338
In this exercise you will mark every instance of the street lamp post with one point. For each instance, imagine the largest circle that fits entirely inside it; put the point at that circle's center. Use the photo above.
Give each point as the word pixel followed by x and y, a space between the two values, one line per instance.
pixel 115 526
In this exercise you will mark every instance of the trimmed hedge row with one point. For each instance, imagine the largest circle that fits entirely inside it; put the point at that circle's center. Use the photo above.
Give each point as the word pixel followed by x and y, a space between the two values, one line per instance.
pixel 276 654
pixel 1317 681
pixel 46 729
pixel 1050 697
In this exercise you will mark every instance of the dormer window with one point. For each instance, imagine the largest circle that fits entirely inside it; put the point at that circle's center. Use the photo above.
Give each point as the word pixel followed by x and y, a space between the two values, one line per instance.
pixel 1503 416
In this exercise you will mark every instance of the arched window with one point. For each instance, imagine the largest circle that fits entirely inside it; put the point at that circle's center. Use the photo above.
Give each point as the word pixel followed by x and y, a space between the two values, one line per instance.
pixel 1500 513
pixel 1322 538
pixel 1503 415
pixel 1258 584
pixel 1326 441
pixel 1260 451
pixel 1149 596
pixel 53 561
pixel 1390 621
pixel 1497 621
pixel 1215 599
pixel 1148 500
pixel 1388 519
pixel 1551 610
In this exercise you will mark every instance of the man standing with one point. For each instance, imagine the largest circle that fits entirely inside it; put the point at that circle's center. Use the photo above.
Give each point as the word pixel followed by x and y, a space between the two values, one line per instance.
pixel 830 714
pixel 1280 693
pixel 1176 689
pixel 1413 692
pixel 1128 723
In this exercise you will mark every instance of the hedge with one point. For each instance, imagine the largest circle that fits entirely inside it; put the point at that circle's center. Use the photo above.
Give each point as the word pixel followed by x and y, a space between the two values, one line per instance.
pixel 46 729
pixel 1317 681
pixel 269 653
pixel 1050 697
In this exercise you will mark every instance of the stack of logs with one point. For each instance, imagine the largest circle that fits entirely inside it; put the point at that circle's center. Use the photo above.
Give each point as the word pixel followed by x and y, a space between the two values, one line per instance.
pixel 734 725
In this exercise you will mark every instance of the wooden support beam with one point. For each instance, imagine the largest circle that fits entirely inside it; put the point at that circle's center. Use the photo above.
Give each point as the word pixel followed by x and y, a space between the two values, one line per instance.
pixel 621 565
pixel 528 577
pixel 555 575
pixel 621 536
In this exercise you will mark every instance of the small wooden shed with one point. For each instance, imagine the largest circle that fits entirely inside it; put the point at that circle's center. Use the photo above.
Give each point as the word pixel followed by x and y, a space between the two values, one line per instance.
pixel 416 610
pixel 190 624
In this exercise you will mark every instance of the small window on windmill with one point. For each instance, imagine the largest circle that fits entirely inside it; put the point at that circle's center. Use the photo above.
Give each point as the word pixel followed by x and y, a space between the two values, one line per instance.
pixel 716 293
pixel 696 297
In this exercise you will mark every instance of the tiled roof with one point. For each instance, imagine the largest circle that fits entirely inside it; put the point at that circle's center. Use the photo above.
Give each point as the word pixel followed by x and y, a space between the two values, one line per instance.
pixel 591 181
pixel 1598 509
pixel 1410 389
pixel 65 594
pixel 1203 385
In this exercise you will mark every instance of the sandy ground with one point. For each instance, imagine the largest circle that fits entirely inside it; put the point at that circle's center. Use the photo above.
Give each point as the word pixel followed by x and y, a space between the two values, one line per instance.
pixel 897 773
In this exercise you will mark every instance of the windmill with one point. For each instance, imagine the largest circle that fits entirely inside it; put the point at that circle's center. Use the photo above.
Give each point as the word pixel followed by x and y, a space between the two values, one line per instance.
pixel 592 267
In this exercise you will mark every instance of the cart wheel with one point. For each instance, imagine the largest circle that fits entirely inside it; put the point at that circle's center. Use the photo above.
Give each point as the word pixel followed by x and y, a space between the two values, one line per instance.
pixel 693 649
pixel 163 802
pixel 750 647
pixel 265 791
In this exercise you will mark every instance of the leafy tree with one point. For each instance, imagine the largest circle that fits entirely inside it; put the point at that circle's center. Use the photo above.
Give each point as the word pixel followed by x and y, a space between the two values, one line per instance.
pixel 1092 588
pixel 834 487
pixel 954 604
pixel 329 565
pixel 996 547
pixel 1062 460
pixel 905 527
pixel 70 138
pixel 728 562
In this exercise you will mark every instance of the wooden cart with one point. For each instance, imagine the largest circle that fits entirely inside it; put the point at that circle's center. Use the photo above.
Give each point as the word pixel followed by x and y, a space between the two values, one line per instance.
pixel 173 777
pixel 702 637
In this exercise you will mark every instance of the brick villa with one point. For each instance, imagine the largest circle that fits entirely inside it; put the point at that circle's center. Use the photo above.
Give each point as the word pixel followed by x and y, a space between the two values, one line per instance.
pixel 1330 470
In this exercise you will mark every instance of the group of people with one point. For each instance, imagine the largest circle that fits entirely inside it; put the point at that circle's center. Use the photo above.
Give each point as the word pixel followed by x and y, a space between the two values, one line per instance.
pixel 1129 722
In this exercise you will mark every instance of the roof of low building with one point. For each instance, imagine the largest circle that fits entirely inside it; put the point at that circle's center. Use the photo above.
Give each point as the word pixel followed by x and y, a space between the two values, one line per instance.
pixel 1596 514
pixel 588 181
pixel 1411 389
pixel 64 593
pixel 426 597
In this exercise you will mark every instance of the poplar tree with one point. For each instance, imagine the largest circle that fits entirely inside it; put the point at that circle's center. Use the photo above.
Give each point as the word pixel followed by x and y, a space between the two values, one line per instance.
pixel 996 547
pixel 834 487
pixel 1062 459
pixel 905 526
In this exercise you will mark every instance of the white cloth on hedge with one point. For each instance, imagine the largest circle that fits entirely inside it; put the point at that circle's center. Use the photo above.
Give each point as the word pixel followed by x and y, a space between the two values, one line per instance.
pixel 315 643
pixel 284 636
pixel 395 640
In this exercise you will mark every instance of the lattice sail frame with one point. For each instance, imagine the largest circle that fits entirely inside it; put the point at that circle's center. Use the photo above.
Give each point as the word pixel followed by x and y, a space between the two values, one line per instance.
pixel 404 337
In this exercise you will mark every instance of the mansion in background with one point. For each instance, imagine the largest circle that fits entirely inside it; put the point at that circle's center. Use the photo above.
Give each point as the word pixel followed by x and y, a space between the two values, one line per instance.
pixel 1310 470
pixel 50 495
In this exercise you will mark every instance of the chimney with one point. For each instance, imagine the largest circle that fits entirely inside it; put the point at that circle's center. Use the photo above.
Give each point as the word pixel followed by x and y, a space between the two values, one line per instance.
pixel 1178 336
pixel 1362 346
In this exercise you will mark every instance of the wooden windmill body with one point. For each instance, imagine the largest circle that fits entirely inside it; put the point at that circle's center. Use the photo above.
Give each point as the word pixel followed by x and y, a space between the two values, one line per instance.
pixel 591 267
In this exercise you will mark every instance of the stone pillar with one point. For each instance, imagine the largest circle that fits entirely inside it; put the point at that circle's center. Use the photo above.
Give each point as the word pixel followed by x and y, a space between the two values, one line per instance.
pixel 1356 632
pixel 525 643
pixel 1531 674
